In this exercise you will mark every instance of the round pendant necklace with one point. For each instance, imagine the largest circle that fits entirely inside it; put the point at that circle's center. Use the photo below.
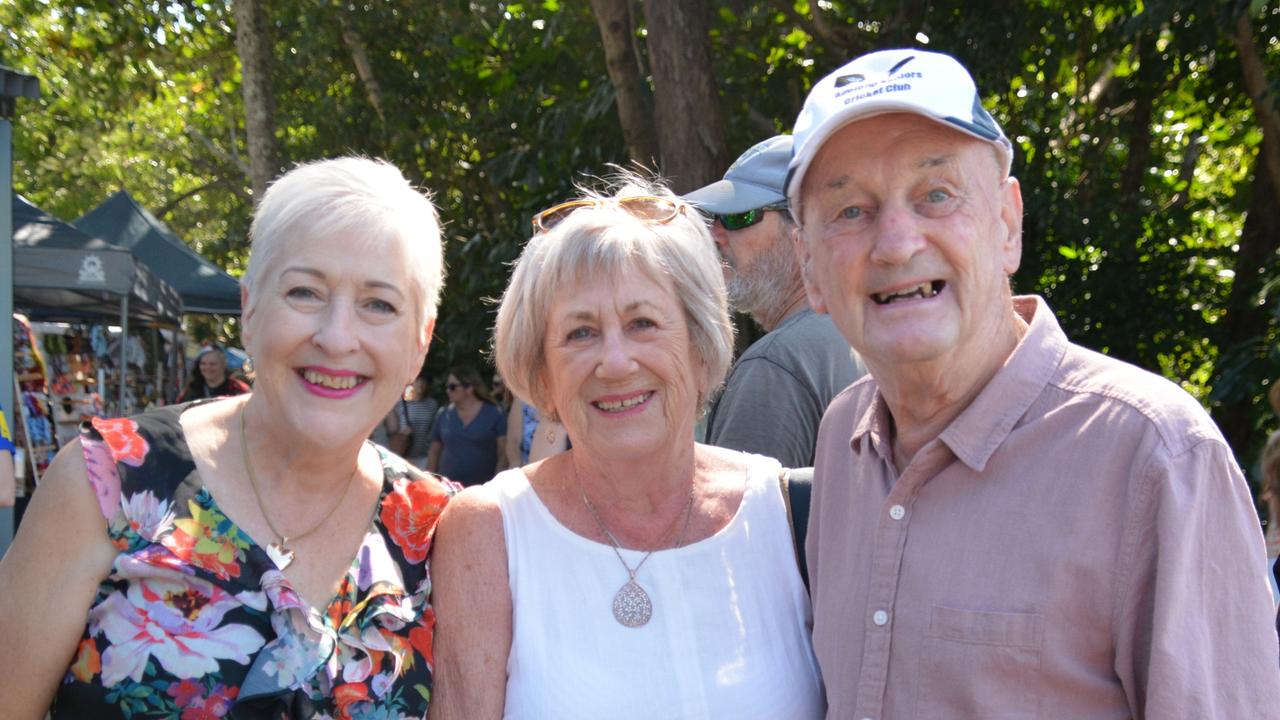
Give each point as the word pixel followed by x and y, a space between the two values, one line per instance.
pixel 279 551
pixel 631 604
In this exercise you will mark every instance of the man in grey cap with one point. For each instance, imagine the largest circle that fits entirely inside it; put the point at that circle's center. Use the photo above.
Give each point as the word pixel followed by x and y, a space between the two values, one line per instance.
pixel 778 389
pixel 1004 524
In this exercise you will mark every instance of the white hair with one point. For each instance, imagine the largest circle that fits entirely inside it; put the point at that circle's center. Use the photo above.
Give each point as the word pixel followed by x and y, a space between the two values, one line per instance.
pixel 371 198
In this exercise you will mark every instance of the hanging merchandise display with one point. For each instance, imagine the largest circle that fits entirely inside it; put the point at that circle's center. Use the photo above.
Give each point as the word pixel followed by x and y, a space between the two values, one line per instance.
pixel 31 383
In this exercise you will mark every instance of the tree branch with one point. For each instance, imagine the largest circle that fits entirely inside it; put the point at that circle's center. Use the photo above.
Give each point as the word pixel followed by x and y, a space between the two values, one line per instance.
pixel 364 68
pixel 164 210
pixel 216 151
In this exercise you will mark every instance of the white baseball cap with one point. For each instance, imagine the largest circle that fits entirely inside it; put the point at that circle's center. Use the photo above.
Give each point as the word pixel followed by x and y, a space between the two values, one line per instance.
pixel 910 80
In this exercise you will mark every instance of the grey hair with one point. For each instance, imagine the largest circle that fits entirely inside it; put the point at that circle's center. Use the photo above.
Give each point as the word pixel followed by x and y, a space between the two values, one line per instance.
pixel 608 241
pixel 370 198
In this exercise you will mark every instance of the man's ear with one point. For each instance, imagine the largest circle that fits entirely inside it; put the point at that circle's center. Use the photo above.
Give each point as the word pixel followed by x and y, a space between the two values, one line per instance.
pixel 1011 218
pixel 803 257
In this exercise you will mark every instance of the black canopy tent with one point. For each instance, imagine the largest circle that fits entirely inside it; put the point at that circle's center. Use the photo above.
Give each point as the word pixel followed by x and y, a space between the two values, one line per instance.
pixel 61 273
pixel 204 287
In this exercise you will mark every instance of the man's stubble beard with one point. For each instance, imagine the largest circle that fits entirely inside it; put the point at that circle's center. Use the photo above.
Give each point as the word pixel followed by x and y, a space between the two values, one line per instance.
pixel 768 283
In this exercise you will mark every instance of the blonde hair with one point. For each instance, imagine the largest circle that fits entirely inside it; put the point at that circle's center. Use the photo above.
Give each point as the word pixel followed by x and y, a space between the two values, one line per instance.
pixel 607 241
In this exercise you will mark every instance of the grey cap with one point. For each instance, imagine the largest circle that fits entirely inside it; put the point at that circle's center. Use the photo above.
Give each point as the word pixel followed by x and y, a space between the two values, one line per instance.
pixel 755 180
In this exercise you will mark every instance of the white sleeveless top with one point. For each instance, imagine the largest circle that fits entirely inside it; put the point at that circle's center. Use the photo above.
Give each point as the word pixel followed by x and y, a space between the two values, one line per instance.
pixel 729 636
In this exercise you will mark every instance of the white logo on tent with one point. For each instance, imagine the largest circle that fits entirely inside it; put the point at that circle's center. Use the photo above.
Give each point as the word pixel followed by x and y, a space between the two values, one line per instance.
pixel 91 270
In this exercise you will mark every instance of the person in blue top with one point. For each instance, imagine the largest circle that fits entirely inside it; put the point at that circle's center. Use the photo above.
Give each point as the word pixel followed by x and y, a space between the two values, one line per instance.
pixel 468 440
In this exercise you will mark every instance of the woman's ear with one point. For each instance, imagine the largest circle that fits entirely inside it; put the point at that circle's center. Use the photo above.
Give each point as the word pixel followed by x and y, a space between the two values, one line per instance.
pixel 424 344
pixel 246 314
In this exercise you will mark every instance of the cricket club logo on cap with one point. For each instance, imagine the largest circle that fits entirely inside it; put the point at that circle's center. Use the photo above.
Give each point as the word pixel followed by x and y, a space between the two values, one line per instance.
pixel 907 80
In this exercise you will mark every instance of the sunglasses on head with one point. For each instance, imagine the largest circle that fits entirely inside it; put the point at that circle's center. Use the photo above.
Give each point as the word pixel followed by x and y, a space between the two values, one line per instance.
pixel 643 207
pixel 738 221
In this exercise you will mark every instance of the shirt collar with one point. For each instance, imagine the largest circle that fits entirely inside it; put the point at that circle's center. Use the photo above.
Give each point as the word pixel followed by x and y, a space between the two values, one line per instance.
pixel 983 426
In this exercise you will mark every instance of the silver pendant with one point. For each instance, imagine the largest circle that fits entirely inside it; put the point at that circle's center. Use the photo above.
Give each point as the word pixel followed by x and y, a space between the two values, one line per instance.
pixel 279 554
pixel 631 606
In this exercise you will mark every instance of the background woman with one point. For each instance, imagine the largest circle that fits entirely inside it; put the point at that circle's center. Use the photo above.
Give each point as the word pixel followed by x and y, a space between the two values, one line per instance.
pixel 252 555
pixel 638 574
pixel 209 378
pixel 467 441
pixel 419 411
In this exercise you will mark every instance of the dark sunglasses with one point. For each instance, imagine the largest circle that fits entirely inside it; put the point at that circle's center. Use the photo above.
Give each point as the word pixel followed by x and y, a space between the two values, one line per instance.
pixel 738 221
pixel 453 386
pixel 644 207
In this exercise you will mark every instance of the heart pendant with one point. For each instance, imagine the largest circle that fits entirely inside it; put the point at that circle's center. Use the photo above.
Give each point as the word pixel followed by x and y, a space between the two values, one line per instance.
pixel 280 555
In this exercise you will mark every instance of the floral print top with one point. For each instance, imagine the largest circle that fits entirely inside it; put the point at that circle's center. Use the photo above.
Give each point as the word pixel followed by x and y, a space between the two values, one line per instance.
pixel 195 621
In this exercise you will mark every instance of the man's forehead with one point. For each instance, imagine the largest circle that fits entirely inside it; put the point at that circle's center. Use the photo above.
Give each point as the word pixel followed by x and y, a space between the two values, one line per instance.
pixel 945 154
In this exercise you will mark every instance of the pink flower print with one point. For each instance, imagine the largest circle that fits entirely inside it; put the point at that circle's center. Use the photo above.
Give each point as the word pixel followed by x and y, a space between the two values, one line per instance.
pixel 104 477
pixel 177 623
pixel 190 696
pixel 185 692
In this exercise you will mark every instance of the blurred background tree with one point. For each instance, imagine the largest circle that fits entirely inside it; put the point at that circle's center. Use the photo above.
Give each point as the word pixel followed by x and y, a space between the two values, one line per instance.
pixel 1147 134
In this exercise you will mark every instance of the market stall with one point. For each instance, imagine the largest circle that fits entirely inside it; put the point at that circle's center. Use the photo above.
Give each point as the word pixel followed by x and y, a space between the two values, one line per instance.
pixel 204 287
pixel 62 274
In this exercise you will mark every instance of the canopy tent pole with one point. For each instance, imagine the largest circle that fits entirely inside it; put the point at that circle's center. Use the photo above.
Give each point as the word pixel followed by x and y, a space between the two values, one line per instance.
pixel 124 349
pixel 156 345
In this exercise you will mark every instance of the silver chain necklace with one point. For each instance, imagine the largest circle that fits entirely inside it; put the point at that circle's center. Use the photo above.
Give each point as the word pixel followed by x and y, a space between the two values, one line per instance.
pixel 631 605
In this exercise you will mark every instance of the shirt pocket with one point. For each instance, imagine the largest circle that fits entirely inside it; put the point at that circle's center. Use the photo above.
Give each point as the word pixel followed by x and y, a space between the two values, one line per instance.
pixel 980 665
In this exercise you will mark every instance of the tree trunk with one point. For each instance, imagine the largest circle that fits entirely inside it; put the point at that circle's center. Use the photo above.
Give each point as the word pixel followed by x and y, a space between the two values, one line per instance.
pixel 686 105
pixel 1255 82
pixel 1246 321
pixel 253 44
pixel 617 34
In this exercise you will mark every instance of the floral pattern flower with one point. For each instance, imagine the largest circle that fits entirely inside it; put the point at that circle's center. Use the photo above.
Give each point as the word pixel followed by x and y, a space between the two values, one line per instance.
pixel 194 618
pixel 177 623
pixel 410 512
pixel 122 438
pixel 208 539
pixel 147 515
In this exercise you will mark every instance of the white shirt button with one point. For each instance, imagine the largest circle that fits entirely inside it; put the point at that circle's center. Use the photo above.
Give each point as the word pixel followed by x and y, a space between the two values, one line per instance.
pixel 897 512
pixel 880 617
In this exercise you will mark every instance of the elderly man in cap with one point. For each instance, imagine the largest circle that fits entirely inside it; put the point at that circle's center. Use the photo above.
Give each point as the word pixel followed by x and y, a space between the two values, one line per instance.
pixel 1005 525
pixel 778 389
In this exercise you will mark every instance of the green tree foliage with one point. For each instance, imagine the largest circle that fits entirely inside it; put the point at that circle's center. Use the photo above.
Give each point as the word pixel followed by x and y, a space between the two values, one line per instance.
pixel 1137 143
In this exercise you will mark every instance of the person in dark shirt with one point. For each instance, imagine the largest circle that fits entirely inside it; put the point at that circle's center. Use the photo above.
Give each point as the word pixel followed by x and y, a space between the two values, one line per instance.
pixel 209 377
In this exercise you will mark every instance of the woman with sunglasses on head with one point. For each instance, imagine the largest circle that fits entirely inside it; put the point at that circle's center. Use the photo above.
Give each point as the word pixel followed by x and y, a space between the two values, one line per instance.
pixel 252 556
pixel 638 574
pixel 468 439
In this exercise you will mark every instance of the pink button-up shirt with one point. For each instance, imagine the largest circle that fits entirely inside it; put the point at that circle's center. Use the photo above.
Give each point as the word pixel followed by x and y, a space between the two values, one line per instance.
pixel 1079 543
